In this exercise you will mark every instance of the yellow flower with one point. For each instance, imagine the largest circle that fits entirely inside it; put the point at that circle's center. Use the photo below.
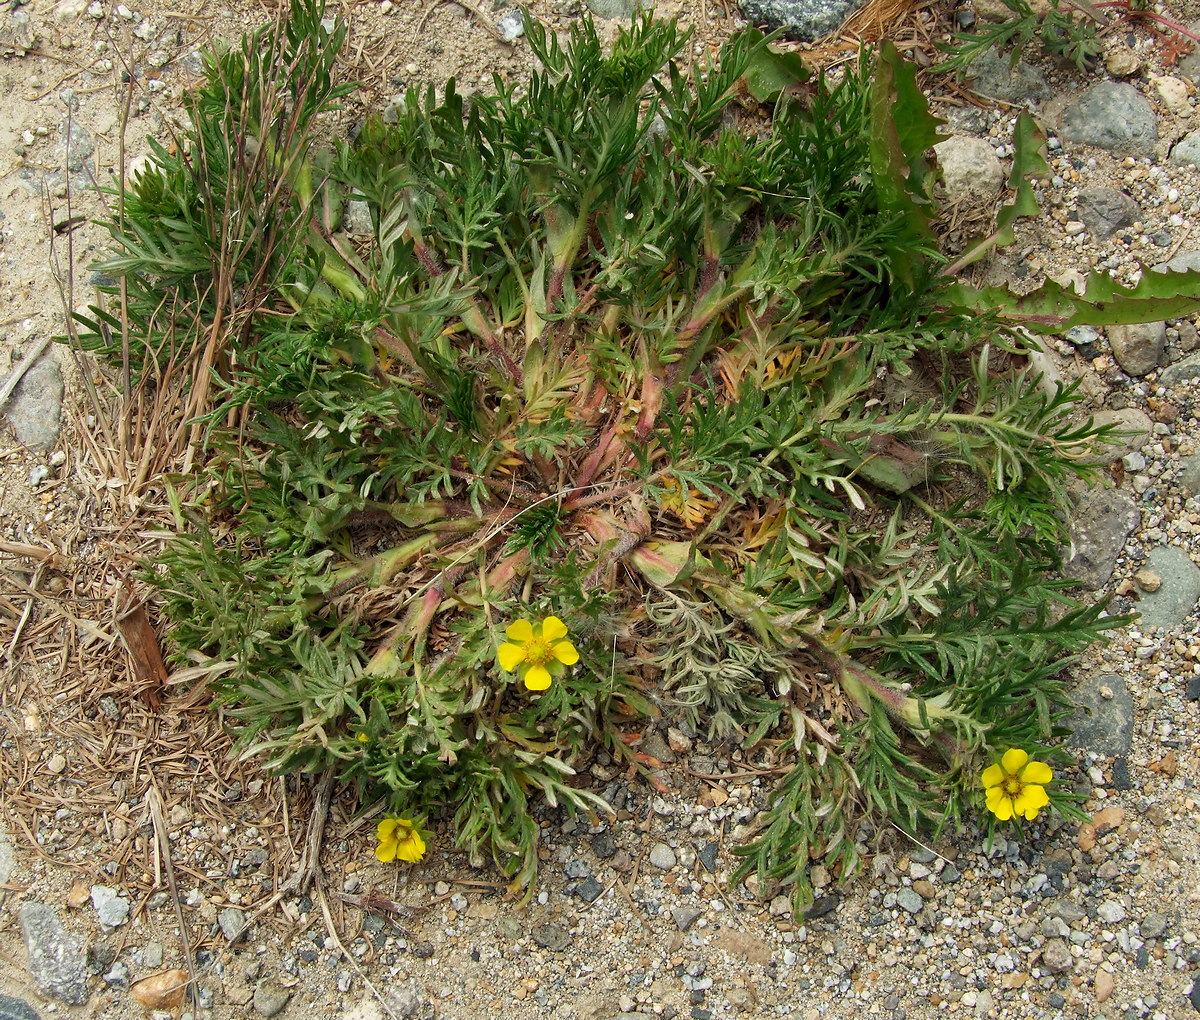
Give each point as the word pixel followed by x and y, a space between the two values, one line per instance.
pixel 1016 785
pixel 399 839
pixel 538 650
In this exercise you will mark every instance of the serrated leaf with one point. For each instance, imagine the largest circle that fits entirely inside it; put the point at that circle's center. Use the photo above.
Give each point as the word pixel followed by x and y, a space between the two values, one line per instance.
pixel 1054 308
pixel 902 132
pixel 770 72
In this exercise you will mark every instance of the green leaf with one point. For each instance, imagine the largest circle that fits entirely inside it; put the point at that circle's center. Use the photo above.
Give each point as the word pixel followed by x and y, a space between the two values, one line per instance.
pixel 771 71
pixel 902 132
pixel 1053 308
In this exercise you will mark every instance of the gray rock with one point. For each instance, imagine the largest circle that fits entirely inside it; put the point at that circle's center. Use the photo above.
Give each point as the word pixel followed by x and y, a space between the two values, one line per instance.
pixel 1056 955
pixel 971 171
pixel 358 219
pixel 1132 429
pixel 1187 261
pixel 406 1002
pixel 118 975
pixel 36 404
pixel 589 889
pixel 1112 116
pixel 1103 719
pixel 1104 211
pixel 78 145
pixel 552 936
pixel 233 922
pixel 1188 478
pixel 994 75
pixel 6 858
pixel 614 8
pixel 111 907
pixel 151 955
pixel 604 844
pixel 708 856
pixel 1186 151
pixel 512 26
pixel 1175 601
pixel 1067 909
pixel 808 20
pixel 1138 348
pixel 1180 372
pixel 16 1009
pixel 662 856
pixel 685 917
pixel 910 900
pixel 1153 926
pixel 56 960
pixel 1100 524
pixel 270 997
pixel 1111 911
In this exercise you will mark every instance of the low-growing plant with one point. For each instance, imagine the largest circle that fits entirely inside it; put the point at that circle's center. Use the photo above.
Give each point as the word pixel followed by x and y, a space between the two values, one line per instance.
pixel 610 408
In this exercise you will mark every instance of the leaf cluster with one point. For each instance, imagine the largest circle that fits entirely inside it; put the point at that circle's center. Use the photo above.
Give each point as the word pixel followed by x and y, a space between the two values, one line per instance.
pixel 615 349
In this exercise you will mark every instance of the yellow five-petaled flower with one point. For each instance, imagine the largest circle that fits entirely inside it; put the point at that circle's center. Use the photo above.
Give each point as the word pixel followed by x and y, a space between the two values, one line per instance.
pixel 537 650
pixel 1016 785
pixel 399 840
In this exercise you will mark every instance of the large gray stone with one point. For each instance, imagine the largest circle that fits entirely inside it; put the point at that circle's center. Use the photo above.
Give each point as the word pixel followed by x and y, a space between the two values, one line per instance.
pixel 1186 151
pixel 1103 719
pixel 805 19
pixel 111 907
pixel 16 1009
pixel 1104 211
pixel 6 858
pixel 1174 603
pixel 35 408
pixel 1138 348
pixel 1100 524
pixel 1189 475
pixel 56 960
pixel 1112 116
pixel 608 9
pixel 971 171
pixel 1182 263
pixel 1132 429
pixel 994 75
pixel 1180 372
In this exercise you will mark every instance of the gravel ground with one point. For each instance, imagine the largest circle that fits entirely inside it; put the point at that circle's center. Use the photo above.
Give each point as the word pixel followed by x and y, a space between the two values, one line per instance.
pixel 635 918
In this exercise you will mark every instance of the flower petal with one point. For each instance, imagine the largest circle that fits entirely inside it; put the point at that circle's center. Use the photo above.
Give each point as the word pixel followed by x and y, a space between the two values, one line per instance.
pixel 994 796
pixel 1002 809
pixel 1030 801
pixel 384 830
pixel 1036 772
pixel 1013 760
pixel 386 851
pixel 553 628
pixel 510 656
pixel 993 775
pixel 538 678
pixel 411 849
pixel 520 630
pixel 566 653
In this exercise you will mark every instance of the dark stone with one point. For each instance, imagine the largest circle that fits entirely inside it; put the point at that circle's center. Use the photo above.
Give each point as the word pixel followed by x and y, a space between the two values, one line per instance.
pixel 1112 116
pixel 950 874
pixel 1143 958
pixel 1120 772
pixel 1194 994
pixel 604 844
pixel 821 906
pixel 708 856
pixel 807 20
pixel 589 889
pixel 15 1009
pixel 1100 724
pixel 56 960
pixel 1193 688
pixel 1104 211
pixel 878 920
pixel 552 936
pixel 993 74
pixel 1100 525
pixel 422 950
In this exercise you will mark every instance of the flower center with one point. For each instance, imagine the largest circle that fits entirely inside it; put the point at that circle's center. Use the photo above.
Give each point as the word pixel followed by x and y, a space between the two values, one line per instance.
pixel 537 651
pixel 1012 786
